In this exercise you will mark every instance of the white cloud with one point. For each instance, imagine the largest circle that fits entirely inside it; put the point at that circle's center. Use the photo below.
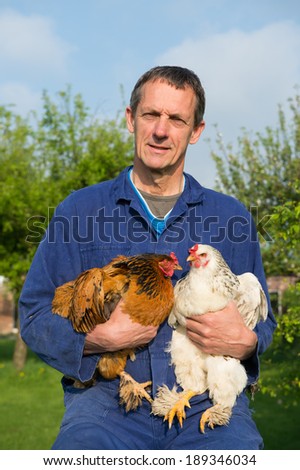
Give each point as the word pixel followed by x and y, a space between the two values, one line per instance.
pixel 245 74
pixel 20 97
pixel 31 41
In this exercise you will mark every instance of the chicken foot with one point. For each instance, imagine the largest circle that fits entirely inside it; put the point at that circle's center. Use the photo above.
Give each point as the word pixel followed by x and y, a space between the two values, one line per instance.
pixel 215 415
pixel 131 392
pixel 169 403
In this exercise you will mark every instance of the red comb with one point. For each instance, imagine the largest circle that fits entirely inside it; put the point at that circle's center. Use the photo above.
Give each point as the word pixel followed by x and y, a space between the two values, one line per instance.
pixel 194 249
pixel 173 256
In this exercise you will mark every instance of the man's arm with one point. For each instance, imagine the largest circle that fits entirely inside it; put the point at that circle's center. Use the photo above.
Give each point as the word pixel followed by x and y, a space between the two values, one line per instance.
pixel 50 336
pixel 222 333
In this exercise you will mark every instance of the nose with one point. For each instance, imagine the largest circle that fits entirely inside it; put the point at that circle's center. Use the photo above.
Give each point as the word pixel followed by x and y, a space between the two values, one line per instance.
pixel 161 128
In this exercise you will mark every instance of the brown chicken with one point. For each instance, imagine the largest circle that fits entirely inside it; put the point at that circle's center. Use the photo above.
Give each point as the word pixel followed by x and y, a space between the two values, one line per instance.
pixel 144 285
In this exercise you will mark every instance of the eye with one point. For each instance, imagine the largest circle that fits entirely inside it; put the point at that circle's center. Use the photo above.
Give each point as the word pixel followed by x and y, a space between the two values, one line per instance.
pixel 178 121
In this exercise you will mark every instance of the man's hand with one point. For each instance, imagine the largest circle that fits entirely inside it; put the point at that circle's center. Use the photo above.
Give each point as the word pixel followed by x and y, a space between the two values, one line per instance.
pixel 118 332
pixel 222 333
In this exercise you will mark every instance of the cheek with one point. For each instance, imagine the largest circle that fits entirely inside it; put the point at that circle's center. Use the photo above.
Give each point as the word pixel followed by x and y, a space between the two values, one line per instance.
pixel 181 143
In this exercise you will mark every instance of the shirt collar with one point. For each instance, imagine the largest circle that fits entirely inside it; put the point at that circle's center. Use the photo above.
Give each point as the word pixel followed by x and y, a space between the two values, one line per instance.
pixel 193 191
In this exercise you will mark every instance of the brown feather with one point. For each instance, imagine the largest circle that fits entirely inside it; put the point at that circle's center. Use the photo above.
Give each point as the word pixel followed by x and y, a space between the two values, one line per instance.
pixel 138 280
pixel 62 299
pixel 111 365
pixel 87 300
pixel 141 282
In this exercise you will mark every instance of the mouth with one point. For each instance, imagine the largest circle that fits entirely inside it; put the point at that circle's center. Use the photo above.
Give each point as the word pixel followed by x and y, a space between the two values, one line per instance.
pixel 159 148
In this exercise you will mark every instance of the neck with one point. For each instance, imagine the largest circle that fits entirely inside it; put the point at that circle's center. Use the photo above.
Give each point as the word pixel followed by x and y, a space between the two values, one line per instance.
pixel 158 182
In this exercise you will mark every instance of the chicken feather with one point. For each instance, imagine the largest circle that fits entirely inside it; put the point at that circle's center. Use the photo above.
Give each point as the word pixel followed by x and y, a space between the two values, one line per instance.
pixel 143 282
pixel 208 287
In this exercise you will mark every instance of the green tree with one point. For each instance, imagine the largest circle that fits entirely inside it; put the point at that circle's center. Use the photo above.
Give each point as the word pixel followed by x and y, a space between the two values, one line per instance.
pixel 263 172
pixel 20 196
pixel 42 160
pixel 76 149
pixel 284 353
pixel 285 221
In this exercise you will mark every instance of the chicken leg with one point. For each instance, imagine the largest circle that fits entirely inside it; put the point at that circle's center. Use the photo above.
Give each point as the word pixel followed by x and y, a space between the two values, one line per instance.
pixel 215 415
pixel 132 392
pixel 169 403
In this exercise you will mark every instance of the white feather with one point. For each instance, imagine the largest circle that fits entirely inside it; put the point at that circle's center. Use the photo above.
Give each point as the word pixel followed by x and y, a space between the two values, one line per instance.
pixel 209 286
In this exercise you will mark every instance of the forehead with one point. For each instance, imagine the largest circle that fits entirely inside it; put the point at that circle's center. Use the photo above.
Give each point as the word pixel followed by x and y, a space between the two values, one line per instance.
pixel 163 97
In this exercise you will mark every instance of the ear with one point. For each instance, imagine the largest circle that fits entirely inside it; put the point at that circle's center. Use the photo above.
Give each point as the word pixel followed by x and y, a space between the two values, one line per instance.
pixel 197 132
pixel 129 119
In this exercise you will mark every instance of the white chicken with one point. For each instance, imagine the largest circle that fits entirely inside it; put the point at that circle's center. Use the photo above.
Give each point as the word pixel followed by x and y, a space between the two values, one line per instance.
pixel 208 287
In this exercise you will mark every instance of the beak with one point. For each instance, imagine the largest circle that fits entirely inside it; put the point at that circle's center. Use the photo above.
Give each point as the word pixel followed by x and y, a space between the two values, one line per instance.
pixel 177 266
pixel 191 258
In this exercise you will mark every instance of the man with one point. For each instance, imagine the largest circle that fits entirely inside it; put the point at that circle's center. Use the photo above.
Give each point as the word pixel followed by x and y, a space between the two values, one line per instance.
pixel 152 206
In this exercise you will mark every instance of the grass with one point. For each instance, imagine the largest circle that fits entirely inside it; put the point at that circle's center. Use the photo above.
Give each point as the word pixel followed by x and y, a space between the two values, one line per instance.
pixel 31 401
pixel 277 422
pixel 277 406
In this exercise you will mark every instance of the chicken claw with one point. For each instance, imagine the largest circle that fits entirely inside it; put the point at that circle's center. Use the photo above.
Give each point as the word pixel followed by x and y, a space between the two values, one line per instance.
pixel 215 415
pixel 178 409
pixel 131 392
pixel 169 403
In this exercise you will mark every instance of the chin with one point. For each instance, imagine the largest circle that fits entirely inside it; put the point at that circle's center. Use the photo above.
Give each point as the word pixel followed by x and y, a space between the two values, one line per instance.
pixel 155 164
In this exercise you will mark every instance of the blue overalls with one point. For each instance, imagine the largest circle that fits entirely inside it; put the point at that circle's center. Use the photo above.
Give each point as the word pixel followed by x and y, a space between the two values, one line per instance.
pixel 89 228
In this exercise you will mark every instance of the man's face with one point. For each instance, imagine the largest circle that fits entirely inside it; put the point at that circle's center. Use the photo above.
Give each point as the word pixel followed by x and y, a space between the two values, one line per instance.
pixel 163 125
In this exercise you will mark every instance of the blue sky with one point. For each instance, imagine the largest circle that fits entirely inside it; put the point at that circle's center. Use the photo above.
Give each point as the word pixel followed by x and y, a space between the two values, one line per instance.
pixel 247 55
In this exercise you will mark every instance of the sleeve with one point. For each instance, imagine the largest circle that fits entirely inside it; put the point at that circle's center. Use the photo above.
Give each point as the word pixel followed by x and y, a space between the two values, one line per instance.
pixel 264 329
pixel 51 337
